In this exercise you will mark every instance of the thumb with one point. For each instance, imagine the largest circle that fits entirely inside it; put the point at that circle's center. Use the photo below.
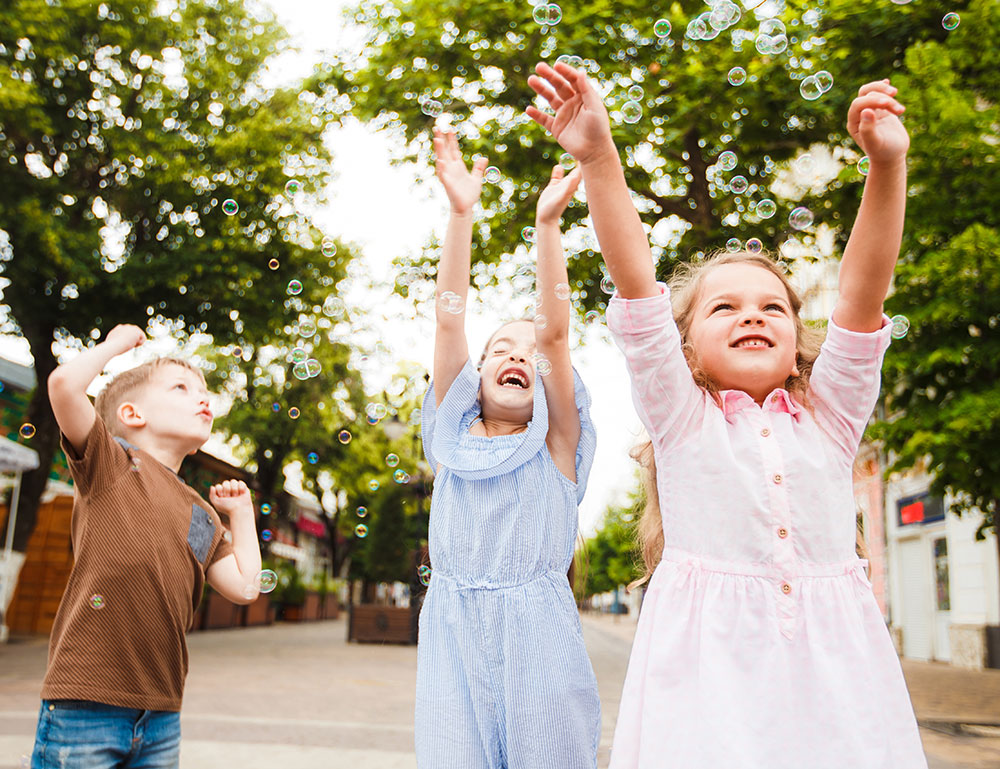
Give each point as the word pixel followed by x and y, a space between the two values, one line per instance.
pixel 866 126
pixel 479 166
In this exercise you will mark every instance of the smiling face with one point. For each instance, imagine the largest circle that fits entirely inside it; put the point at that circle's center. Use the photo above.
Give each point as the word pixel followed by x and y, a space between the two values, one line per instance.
pixel 507 374
pixel 172 408
pixel 742 329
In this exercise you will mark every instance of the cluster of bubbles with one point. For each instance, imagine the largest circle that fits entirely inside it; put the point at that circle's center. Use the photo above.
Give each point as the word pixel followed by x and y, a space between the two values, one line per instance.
pixel 900 326
pixel 375 412
pixel 424 573
pixel 814 86
pixel 771 38
pixel 431 107
pixel 450 302
pixel 400 476
pixel 721 16
pixel 26 431
pixel 547 14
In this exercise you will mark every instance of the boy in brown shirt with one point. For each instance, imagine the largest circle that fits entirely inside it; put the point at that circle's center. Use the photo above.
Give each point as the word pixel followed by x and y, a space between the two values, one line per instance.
pixel 144 543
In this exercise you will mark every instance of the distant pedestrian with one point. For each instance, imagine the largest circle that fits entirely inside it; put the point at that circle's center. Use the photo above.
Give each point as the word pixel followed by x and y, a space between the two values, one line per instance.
pixel 503 678
pixel 144 543
pixel 760 644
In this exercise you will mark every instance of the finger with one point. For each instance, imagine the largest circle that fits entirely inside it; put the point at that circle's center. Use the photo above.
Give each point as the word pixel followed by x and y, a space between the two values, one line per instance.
pixel 574 179
pixel 557 78
pixel 543 89
pixel 557 173
pixel 543 119
pixel 877 100
pixel 478 166
pixel 456 153
pixel 878 85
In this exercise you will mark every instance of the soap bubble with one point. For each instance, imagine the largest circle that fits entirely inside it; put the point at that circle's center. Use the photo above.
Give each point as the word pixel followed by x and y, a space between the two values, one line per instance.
pixel 294 287
pixel 392 459
pixel 275 407
pixel 293 187
pixel 900 326
pixel 432 108
pixel 824 80
pixel 631 112
pixel 307 327
pixel 541 321
pixel 298 355
pixel 373 484
pixel 542 364
pixel 230 207
pixel 863 165
pixel 567 161
pixel 737 76
pixel 312 457
pixel 344 436
pixel 361 531
pixel 313 367
pixel 592 317
pixel 300 371
pixel 266 581
pixel 635 93
pixel 329 248
pixel 401 476
pixel 528 234
pixel 274 264
pixel 547 14
pixel 726 161
pixel 266 535
pixel 294 412
pixel 739 184
pixel 733 245
pixel 451 303
pixel 562 291
pixel 809 88
pixel 661 28
pixel 27 430
pixel 950 21
pixel 362 511
pixel 492 174
pixel 97 601
pixel 766 208
pixel 754 246
pixel 800 218
pixel 265 509
pixel 607 285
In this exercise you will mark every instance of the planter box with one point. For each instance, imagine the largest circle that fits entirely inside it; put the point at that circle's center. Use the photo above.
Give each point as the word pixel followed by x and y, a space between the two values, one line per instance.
pixel 369 623
pixel 219 612
pixel 331 606
pixel 259 612
pixel 311 607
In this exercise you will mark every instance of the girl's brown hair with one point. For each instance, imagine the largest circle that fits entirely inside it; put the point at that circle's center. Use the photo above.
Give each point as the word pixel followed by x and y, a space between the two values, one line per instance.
pixel 685 285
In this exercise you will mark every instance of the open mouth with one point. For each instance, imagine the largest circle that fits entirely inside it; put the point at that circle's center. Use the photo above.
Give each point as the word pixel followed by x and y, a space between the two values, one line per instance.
pixel 513 377
pixel 752 342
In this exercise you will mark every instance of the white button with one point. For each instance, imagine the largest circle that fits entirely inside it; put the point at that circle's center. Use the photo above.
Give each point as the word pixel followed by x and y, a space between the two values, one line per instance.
pixel 786 588
pixel 765 432
pixel 782 532
pixel 777 478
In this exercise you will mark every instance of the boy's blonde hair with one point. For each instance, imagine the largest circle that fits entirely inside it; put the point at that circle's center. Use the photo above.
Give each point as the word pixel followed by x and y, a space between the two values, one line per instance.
pixel 127 384
pixel 685 285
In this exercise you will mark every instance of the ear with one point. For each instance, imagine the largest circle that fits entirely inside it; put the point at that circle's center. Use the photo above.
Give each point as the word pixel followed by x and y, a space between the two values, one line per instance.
pixel 130 416
pixel 795 367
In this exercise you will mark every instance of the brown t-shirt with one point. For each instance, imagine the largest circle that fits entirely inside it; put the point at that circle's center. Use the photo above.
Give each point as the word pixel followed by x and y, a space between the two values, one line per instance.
pixel 142 540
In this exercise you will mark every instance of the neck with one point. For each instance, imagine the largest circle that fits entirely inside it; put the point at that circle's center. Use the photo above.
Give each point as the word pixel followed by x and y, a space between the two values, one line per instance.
pixel 493 427
pixel 167 455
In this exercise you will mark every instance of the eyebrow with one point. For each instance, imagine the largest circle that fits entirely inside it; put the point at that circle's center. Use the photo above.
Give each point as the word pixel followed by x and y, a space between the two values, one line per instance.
pixel 732 297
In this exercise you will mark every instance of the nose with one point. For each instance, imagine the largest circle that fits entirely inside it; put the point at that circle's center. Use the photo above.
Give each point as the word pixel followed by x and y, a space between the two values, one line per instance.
pixel 752 319
pixel 518 356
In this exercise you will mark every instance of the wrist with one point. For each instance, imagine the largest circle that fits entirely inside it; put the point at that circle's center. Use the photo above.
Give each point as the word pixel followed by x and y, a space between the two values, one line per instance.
pixel 461 214
pixel 546 223
pixel 604 154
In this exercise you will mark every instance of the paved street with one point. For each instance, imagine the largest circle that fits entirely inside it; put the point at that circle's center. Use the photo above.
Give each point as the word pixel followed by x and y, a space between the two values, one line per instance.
pixel 300 697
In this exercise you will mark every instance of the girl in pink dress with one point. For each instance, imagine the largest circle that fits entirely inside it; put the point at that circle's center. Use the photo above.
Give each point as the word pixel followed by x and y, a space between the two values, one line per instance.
pixel 760 644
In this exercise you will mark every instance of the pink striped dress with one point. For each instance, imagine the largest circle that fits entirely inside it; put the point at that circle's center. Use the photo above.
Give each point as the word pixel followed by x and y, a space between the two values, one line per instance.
pixel 760 644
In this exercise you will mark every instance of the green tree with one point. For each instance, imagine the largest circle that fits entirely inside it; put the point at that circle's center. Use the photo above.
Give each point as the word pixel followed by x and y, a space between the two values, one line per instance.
pixel 124 126
pixel 942 392
pixel 472 61
pixel 611 556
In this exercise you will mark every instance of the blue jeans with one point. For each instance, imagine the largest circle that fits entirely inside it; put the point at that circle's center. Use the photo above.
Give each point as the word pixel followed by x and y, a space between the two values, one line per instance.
pixel 75 734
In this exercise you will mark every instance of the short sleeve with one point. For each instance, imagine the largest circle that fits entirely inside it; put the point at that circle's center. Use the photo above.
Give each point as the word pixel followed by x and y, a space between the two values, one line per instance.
pixel 221 544
pixel 587 444
pixel 446 437
pixel 665 394
pixel 845 381
pixel 101 463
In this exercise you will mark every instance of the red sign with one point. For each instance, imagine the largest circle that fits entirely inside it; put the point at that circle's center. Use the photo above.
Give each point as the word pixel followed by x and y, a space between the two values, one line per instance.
pixel 311 527
pixel 913 512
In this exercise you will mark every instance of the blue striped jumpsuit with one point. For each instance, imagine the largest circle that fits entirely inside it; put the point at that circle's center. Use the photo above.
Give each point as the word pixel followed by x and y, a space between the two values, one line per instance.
pixel 503 678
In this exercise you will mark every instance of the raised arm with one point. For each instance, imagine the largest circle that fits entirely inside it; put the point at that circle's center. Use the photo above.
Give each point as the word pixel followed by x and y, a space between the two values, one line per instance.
pixel 580 125
pixel 235 576
pixel 871 252
pixel 451 348
pixel 552 335
pixel 68 384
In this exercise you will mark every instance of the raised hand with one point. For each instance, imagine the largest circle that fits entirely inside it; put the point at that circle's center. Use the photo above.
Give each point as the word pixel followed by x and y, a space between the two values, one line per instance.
pixel 124 337
pixel 580 123
pixel 463 187
pixel 230 497
pixel 556 195
pixel 873 122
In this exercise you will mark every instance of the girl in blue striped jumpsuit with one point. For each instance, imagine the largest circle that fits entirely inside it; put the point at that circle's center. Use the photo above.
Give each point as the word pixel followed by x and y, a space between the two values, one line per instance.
pixel 503 678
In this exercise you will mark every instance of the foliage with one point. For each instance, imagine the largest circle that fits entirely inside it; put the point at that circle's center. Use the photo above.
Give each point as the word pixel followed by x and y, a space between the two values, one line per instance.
pixel 124 125
pixel 611 556
pixel 474 59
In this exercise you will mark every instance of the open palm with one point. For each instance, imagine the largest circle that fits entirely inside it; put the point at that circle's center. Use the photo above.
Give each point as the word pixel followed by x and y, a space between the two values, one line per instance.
pixel 873 122
pixel 556 195
pixel 580 122
pixel 462 186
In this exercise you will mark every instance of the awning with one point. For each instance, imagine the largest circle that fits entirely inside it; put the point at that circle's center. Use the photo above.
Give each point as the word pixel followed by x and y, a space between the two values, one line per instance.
pixel 16 458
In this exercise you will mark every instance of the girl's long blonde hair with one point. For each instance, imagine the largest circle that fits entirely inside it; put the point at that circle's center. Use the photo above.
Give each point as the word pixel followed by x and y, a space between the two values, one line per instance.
pixel 685 285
